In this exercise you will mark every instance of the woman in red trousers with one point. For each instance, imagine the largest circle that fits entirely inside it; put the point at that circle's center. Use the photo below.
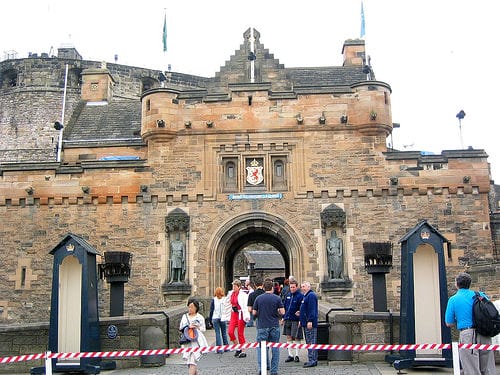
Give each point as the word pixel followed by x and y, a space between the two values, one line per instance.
pixel 239 316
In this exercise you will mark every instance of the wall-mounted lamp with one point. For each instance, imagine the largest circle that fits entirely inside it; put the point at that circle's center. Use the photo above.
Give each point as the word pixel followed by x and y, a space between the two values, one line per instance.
pixel 187 124
pixel 373 115
pixel 86 189
pixel 394 180
pixel 322 119
pixel 58 125
pixel 343 119
pixel 160 123
pixel 29 190
pixel 144 188
pixel 300 119
pixel 210 124
pixel 466 179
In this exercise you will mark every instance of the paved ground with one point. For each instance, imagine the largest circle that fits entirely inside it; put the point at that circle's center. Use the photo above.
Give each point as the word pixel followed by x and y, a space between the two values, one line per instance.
pixel 227 364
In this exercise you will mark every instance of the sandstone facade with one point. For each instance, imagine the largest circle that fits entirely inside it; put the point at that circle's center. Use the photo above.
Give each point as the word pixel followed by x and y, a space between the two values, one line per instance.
pixel 140 145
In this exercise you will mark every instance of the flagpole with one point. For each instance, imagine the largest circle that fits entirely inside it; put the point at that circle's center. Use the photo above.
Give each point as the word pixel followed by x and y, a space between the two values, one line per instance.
pixel 164 35
pixel 362 35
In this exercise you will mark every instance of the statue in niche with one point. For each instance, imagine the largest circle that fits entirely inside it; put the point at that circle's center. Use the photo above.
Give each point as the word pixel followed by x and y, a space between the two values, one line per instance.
pixel 335 253
pixel 177 260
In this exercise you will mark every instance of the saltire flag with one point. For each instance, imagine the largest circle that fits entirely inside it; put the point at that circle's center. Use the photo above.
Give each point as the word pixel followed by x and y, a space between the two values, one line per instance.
pixel 164 38
pixel 362 34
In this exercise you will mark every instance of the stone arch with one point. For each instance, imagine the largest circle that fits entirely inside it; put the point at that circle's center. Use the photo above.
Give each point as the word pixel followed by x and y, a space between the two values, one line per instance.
pixel 248 228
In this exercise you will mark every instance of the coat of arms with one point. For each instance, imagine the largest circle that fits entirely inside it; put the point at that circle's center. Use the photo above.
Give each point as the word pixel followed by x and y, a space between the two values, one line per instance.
pixel 254 173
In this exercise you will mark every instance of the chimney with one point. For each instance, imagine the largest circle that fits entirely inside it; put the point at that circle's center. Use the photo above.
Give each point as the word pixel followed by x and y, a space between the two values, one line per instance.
pixel 354 52
pixel 97 84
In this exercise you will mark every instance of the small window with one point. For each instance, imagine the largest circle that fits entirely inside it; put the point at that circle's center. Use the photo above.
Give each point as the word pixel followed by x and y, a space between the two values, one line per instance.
pixel 148 105
pixel 230 174
pixel 279 182
pixel 23 277
pixel 278 168
pixel 231 170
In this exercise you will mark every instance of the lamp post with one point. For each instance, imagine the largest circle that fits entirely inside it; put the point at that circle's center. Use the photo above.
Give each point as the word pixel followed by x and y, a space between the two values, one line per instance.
pixel 378 262
pixel 116 270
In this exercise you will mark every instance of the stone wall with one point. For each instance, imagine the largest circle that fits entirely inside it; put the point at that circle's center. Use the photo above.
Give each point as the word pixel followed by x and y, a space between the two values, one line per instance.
pixel 116 224
pixel 132 335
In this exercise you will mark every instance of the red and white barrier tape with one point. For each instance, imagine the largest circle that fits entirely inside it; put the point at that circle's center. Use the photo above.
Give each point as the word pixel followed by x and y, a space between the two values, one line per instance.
pixel 207 349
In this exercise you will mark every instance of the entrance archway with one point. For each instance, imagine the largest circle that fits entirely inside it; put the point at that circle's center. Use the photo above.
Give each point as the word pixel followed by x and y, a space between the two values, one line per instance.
pixel 249 228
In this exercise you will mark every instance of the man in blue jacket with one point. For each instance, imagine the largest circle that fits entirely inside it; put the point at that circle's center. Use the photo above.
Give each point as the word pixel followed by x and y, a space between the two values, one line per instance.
pixel 309 321
pixel 292 302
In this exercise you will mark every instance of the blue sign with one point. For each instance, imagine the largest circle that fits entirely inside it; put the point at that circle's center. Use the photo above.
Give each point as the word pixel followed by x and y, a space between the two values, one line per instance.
pixel 112 331
pixel 255 196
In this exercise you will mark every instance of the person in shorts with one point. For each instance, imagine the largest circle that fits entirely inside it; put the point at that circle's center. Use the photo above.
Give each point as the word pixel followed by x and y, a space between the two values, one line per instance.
pixel 291 329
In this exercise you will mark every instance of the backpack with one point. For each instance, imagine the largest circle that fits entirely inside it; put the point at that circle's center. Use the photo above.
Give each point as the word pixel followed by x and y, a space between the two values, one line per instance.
pixel 485 316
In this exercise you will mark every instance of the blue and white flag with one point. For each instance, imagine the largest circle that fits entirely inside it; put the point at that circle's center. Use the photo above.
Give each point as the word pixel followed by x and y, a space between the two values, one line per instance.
pixel 164 38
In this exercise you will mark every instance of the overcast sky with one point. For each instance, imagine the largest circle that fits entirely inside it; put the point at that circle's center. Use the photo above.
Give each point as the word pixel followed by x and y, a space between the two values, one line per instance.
pixel 438 56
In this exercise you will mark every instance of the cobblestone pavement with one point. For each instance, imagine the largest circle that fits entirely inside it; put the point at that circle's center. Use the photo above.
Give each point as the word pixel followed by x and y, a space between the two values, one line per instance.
pixel 227 364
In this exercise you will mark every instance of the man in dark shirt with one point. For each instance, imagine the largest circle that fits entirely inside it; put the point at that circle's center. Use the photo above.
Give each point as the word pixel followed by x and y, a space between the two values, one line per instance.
pixel 269 309
pixel 251 299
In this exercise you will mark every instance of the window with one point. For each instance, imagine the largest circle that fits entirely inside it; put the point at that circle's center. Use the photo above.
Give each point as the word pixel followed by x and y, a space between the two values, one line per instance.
pixel 230 170
pixel 279 181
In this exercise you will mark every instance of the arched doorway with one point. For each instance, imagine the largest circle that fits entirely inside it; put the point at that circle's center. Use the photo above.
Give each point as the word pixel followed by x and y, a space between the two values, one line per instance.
pixel 251 228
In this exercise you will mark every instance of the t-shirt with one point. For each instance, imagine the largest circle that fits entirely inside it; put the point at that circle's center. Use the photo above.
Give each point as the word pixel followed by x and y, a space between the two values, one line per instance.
pixel 459 309
pixel 252 297
pixel 267 306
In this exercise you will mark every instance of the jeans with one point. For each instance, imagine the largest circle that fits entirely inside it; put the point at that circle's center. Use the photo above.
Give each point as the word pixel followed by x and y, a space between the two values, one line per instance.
pixel 311 336
pixel 220 332
pixel 271 334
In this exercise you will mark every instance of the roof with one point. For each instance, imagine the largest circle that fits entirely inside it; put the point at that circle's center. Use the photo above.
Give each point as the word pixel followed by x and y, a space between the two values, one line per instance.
pixel 326 76
pixel 79 240
pixel 266 259
pixel 116 120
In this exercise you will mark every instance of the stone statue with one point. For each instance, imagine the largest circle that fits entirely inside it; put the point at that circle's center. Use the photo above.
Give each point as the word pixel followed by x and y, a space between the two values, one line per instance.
pixel 335 253
pixel 177 259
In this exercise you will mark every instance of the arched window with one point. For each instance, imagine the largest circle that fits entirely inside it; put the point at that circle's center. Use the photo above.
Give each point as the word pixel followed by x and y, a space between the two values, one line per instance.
pixel 279 178
pixel 230 174
pixel 230 169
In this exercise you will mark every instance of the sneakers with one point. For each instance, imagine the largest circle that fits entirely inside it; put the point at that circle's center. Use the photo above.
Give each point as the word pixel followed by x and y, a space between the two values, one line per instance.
pixel 289 359
pixel 296 359
pixel 310 364
pixel 237 353
pixel 242 355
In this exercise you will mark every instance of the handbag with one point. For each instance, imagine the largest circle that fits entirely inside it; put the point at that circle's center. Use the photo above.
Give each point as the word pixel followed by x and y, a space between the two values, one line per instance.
pixel 182 337
pixel 208 324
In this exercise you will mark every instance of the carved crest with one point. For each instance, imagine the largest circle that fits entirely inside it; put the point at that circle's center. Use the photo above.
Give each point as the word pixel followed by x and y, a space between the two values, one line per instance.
pixel 254 173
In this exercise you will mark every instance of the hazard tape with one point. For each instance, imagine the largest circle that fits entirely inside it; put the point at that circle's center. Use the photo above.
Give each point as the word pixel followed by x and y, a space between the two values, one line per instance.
pixel 208 349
